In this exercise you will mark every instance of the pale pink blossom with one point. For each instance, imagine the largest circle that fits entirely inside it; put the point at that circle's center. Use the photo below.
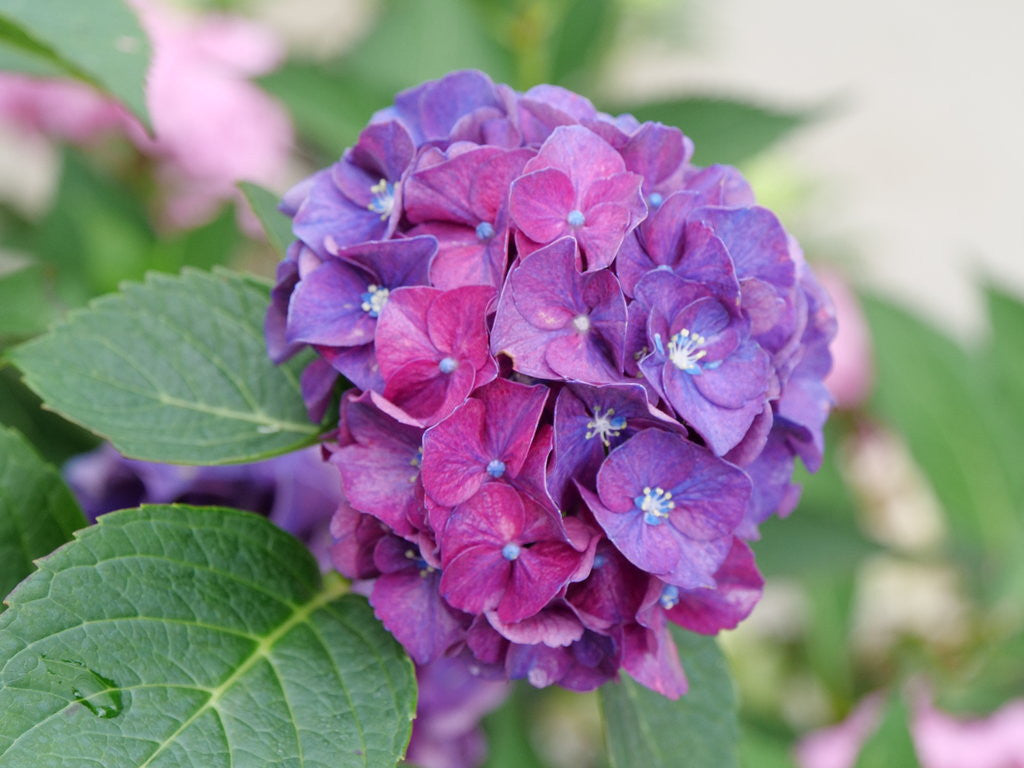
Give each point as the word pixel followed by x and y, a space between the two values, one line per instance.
pixel 940 740
pixel 852 373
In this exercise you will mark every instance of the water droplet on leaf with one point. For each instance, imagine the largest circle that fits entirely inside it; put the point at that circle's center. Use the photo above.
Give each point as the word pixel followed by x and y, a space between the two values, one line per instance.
pixel 98 694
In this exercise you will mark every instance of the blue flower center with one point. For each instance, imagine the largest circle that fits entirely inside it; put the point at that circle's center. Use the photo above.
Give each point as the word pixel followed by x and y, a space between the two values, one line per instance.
pixel 415 462
pixel 600 561
pixel 655 503
pixel 655 200
pixel 383 201
pixel 510 551
pixel 576 219
pixel 669 597
pixel 374 299
pixel 424 568
pixel 605 425
pixel 496 468
pixel 484 230
pixel 685 351
pixel 447 364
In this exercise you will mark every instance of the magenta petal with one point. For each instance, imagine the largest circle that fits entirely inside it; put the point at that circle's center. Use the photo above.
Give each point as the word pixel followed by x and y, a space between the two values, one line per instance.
pixel 454 457
pixel 579 153
pixel 538 574
pixel 651 657
pixel 554 627
pixel 408 604
pixel 475 579
pixel 540 202
pixel 607 226
pixel 423 394
pixel 738 586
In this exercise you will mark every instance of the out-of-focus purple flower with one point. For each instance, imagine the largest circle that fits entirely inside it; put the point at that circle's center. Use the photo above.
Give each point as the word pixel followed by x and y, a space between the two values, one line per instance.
pixel 297 491
pixel 557 323
pixel 451 702
pixel 566 434
pixel 940 740
pixel 577 186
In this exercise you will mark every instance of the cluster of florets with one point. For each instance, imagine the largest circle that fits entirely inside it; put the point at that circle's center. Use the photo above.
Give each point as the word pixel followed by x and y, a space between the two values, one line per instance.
pixel 582 366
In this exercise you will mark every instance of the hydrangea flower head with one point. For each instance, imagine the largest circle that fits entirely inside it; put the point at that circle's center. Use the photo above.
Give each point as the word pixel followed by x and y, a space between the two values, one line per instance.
pixel 584 368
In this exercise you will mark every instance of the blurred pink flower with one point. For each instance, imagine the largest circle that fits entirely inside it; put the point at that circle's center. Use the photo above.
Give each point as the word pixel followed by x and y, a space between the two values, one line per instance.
pixel 212 127
pixel 941 740
pixel 852 373
pixel 63 109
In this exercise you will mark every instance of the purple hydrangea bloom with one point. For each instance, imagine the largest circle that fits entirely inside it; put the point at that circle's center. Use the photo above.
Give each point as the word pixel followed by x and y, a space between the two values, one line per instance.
pixel 432 350
pixel 488 438
pixel 670 506
pixel 577 186
pixel 702 359
pixel 557 323
pixel 357 199
pixel 584 369
pixel 463 203
pixel 506 553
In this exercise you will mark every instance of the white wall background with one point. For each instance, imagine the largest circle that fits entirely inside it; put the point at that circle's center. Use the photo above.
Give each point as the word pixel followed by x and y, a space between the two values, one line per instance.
pixel 918 172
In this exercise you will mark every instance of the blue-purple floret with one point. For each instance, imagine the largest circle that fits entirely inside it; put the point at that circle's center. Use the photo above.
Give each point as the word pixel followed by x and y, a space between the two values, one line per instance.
pixel 583 368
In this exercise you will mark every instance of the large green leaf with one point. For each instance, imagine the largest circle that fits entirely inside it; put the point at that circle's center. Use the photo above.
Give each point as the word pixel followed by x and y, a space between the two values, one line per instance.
pixel 37 511
pixel 723 130
pixel 187 636
pixel 99 41
pixel 173 369
pixel 940 396
pixel 643 728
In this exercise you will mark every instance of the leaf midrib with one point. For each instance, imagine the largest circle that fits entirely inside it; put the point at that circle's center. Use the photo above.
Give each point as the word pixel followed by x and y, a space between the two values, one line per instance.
pixel 332 590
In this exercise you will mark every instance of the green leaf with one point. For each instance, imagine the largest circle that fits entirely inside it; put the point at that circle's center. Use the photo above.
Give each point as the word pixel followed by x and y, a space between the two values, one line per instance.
pixel 175 370
pixel 188 636
pixel 643 728
pixel 99 41
pixel 581 37
pixel 25 297
pixel 723 131
pixel 276 225
pixel 37 511
pixel 95 235
pixel 891 745
pixel 207 246
pixel 939 396
pixel 330 106
pixel 762 750
pixel 55 439
pixel 415 41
